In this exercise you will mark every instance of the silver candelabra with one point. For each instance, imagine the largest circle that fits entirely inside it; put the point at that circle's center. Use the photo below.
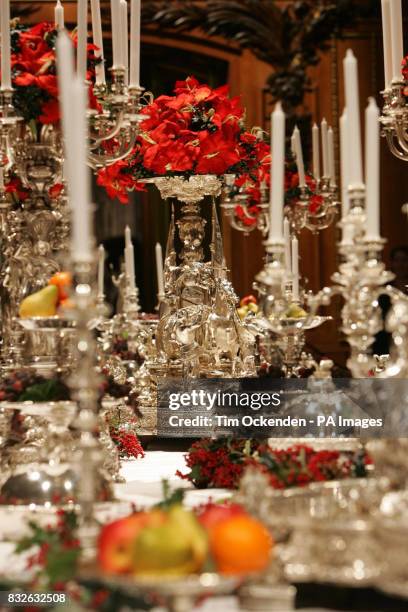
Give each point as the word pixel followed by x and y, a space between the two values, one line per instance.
pixel 394 119
pixel 34 233
pixel 314 211
pixel 360 280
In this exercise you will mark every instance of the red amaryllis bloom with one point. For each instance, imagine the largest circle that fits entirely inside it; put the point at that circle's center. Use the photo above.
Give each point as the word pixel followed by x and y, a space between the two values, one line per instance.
pixel 404 66
pixel 115 181
pixel 170 156
pixel 316 201
pixel 247 216
pixel 216 154
pixel 56 190
pixel 50 112
pixel 15 187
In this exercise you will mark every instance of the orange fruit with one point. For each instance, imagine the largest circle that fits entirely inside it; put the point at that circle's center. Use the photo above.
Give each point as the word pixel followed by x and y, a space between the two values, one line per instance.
pixel 63 282
pixel 240 545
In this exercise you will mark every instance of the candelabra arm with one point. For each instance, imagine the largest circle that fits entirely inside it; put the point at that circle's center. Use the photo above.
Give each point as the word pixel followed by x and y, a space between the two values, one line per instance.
pixel 97 140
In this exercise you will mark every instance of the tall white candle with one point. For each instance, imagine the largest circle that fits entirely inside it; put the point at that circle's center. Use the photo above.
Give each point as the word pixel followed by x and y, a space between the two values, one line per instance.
pixel 5 45
pixel 316 152
pixel 65 74
pixel 325 149
pixel 59 15
pixel 299 157
pixel 101 270
pixel 277 174
pixel 387 46
pixel 73 101
pixel 295 269
pixel 1 179
pixel 347 236
pixel 81 243
pixel 80 181
pixel 293 145
pixel 286 237
pixel 135 16
pixel 124 37
pixel 129 259
pixel 82 18
pixel 344 160
pixel 159 269
pixel 116 42
pixel 98 40
pixel 397 44
pixel 332 167
pixel 372 132
pixel 128 237
pixel 353 120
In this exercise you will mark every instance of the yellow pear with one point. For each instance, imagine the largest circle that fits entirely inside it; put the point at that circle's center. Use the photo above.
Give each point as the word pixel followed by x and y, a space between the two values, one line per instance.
pixel 178 547
pixel 40 304
pixel 295 312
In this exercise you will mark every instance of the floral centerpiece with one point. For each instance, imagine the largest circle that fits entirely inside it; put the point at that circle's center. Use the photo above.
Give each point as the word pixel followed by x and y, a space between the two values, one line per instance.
pixel 198 130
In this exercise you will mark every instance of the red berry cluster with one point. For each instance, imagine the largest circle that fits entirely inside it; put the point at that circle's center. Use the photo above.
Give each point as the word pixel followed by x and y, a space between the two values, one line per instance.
pixel 14 384
pixel 300 465
pixel 217 463
pixel 127 442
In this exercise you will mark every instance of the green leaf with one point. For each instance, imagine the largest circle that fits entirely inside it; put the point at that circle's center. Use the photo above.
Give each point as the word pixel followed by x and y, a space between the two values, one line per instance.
pixel 62 564
pixel 50 390
pixel 170 498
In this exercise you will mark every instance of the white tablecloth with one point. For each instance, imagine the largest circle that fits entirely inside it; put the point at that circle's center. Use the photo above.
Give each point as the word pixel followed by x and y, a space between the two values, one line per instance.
pixel 144 478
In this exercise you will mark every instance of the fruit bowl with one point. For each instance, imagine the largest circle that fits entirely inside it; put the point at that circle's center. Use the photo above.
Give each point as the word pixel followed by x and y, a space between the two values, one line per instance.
pixel 180 594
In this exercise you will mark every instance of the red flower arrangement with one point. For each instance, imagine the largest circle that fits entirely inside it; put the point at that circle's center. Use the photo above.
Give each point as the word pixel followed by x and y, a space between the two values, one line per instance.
pixel 34 75
pixel 198 130
pixel 220 463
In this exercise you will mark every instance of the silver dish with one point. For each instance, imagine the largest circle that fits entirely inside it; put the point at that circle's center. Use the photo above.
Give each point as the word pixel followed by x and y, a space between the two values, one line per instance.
pixel 296 324
pixel 344 552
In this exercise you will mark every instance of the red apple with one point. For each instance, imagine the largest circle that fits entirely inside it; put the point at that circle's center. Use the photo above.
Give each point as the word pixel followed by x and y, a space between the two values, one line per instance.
pixel 248 299
pixel 117 541
pixel 212 514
